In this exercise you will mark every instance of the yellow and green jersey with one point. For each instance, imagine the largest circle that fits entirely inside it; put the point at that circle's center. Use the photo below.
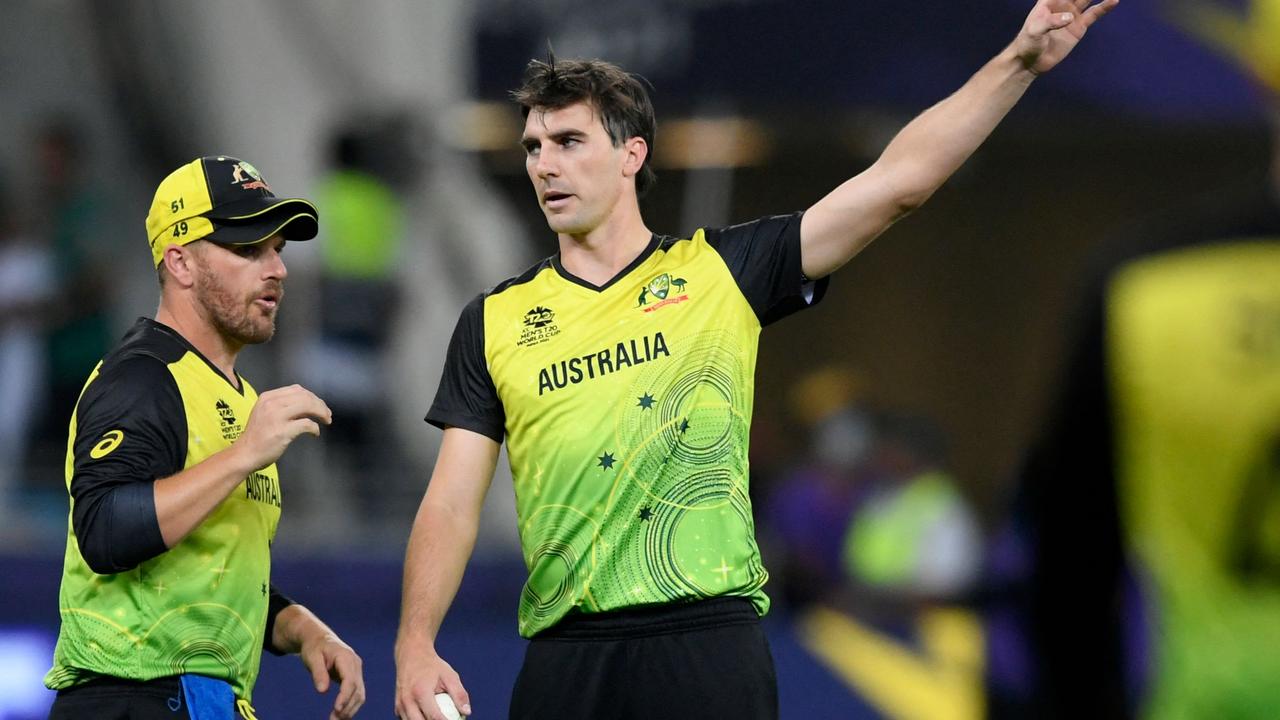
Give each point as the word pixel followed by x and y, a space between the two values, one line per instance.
pixel 1151 505
pixel 130 607
pixel 1194 363
pixel 626 409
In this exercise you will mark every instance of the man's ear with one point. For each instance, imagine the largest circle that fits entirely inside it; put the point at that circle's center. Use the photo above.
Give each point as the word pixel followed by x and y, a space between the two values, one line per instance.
pixel 637 150
pixel 180 262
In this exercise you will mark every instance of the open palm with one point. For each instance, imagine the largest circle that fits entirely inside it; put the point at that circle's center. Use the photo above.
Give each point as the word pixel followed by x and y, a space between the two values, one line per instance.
pixel 1053 29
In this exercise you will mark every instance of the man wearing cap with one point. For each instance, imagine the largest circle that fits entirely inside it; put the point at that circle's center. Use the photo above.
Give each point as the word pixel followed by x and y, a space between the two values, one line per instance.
pixel 166 593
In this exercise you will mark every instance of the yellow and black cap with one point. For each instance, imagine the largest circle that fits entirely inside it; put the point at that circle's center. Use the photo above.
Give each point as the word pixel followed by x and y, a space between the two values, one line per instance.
pixel 224 200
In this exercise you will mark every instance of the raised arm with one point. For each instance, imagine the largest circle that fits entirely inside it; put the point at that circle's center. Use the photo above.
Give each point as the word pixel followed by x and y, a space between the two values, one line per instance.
pixel 937 142
pixel 443 536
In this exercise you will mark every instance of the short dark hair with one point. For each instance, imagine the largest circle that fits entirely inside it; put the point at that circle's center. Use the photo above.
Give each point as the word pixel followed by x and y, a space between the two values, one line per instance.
pixel 618 96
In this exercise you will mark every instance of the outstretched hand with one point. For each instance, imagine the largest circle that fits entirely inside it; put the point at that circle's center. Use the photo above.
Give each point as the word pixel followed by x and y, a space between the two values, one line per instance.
pixel 329 659
pixel 1053 29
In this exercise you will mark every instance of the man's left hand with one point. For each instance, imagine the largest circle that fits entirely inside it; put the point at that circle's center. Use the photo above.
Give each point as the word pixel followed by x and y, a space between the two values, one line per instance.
pixel 327 658
pixel 1053 29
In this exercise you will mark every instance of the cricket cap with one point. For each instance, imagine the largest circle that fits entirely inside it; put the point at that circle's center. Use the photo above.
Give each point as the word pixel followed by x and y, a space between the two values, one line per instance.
pixel 224 200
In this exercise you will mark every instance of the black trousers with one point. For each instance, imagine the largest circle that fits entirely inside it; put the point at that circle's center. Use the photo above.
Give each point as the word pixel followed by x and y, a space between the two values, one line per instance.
pixel 707 659
pixel 110 698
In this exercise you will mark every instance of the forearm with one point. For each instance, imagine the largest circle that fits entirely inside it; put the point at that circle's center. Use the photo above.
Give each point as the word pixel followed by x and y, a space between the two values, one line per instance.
pixel 914 165
pixel 439 547
pixel 122 522
pixel 184 500
pixel 936 143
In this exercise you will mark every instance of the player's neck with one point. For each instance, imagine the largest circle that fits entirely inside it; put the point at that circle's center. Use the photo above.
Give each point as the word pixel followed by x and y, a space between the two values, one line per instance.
pixel 187 321
pixel 598 256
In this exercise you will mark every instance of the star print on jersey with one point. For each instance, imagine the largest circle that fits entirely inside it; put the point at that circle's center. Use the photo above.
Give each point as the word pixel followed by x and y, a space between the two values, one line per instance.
pixel 606 461
pixel 645 514
pixel 646 401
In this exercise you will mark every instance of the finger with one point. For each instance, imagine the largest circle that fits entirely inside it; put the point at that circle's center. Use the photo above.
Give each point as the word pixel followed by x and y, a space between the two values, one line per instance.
pixel 1043 20
pixel 310 406
pixel 426 704
pixel 350 684
pixel 1093 14
pixel 303 425
pixel 281 392
pixel 407 708
pixel 319 674
pixel 357 699
pixel 1057 21
pixel 458 694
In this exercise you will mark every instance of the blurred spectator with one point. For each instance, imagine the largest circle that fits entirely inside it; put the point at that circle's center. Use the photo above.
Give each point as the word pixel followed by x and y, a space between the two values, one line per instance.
pixel 878 552
pixel 26 289
pixel 361 253
pixel 1148 514
pixel 72 223
pixel 913 540
pixel 808 511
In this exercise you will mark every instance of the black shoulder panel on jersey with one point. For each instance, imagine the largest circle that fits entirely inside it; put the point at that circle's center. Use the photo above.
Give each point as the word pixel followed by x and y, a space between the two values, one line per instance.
pixel 131 428
pixel 764 258
pixel 149 338
pixel 522 278
pixel 467 397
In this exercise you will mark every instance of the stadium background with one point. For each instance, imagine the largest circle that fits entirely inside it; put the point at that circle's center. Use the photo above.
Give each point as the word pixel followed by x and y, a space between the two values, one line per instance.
pixel 959 314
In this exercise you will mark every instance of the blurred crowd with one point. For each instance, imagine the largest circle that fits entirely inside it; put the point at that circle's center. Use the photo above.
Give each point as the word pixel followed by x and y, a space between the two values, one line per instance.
pixel 57 250
pixel 1139 533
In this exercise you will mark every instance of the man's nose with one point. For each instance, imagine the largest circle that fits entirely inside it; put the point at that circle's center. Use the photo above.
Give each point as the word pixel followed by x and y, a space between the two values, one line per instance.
pixel 545 164
pixel 275 266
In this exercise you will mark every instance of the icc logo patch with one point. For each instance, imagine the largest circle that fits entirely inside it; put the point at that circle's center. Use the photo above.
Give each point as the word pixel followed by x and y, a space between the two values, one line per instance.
pixel 539 326
pixel 661 291
pixel 230 428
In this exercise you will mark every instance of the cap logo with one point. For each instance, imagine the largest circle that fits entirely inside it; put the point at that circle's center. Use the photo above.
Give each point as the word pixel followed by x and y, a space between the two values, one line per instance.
pixel 253 181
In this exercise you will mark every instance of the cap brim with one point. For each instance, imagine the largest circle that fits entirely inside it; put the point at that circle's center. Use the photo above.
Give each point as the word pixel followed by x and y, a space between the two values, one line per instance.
pixel 253 220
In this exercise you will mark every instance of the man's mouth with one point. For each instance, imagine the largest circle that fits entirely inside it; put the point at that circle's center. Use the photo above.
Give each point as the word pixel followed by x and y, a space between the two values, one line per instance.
pixel 554 199
pixel 269 300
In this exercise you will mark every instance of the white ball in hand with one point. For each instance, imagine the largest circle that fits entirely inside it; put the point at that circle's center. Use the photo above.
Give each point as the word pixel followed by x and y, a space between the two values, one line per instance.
pixel 447 707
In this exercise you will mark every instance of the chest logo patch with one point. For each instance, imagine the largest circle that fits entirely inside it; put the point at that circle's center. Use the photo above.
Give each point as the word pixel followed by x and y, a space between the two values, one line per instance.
pixel 110 441
pixel 230 428
pixel 539 326
pixel 661 291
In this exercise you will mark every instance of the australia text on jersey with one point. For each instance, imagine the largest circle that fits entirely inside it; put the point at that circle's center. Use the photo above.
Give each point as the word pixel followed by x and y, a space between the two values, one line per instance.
pixel 623 354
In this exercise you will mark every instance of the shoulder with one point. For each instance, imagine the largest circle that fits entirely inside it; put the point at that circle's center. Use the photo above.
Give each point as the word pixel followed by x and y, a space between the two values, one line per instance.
pixel 769 224
pixel 516 281
pixel 138 368
pixel 147 340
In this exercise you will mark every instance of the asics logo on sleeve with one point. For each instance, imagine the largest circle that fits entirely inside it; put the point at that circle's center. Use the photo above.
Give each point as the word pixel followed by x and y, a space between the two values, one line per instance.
pixel 110 441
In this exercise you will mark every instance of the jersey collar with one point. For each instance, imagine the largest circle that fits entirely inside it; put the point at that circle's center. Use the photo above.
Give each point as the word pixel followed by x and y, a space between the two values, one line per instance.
pixel 654 241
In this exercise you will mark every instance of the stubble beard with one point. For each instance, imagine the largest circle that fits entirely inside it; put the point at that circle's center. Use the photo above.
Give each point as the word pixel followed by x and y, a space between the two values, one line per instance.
pixel 232 318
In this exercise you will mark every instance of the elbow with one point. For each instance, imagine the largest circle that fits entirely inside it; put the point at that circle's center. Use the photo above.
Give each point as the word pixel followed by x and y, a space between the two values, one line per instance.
pixel 99 560
pixel 905 188
pixel 909 201
pixel 90 538
pixel 112 538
